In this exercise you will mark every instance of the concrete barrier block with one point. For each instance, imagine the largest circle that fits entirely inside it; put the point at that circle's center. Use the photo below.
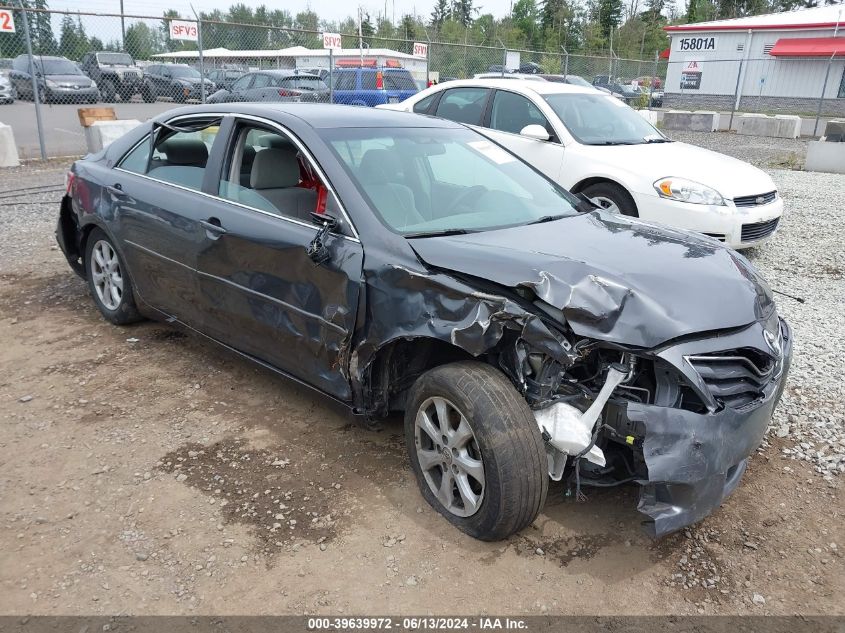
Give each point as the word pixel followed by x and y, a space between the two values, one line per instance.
pixel 779 126
pixel 8 149
pixel 698 121
pixel 100 133
pixel 834 131
pixel 827 157
pixel 648 115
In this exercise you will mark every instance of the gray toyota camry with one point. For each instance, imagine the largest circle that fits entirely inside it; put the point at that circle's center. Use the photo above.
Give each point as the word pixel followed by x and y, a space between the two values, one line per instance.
pixel 400 263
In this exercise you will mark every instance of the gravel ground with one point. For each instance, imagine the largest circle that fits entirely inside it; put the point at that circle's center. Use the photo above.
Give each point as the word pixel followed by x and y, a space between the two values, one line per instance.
pixel 147 472
pixel 768 153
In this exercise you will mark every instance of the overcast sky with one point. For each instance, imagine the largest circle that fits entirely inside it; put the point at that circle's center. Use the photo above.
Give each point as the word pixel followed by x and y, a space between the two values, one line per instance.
pixel 326 9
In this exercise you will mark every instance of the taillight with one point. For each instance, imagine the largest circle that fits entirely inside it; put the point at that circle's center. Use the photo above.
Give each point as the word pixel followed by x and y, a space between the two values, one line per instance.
pixel 379 80
pixel 70 180
pixel 289 93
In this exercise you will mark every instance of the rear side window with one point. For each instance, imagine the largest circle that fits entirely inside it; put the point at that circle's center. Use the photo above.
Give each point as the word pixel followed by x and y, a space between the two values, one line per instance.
pixel 464 105
pixel 368 81
pixel 261 81
pixel 178 158
pixel 399 80
pixel 422 106
pixel 344 81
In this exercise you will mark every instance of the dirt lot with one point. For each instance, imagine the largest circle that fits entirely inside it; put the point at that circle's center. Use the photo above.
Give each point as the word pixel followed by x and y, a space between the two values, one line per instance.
pixel 143 471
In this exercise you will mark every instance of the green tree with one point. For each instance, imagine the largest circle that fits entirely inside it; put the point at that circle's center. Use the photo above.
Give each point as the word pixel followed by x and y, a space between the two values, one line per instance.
pixel 439 14
pixel 610 16
pixel 142 41
pixel 463 12
pixel 525 16
pixel 41 30
pixel 73 43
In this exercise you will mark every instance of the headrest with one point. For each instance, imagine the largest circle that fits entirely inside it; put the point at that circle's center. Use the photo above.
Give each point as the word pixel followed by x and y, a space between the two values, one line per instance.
pixel 185 151
pixel 378 166
pixel 274 140
pixel 274 169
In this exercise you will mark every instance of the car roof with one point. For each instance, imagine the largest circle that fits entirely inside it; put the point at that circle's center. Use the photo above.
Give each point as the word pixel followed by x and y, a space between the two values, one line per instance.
pixel 320 115
pixel 521 85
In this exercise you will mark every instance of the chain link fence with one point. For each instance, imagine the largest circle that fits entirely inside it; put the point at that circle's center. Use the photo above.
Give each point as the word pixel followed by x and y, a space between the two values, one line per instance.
pixel 134 64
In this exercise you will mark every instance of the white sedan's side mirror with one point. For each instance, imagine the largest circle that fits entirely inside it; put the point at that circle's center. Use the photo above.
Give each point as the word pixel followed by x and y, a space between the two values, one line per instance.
pixel 535 131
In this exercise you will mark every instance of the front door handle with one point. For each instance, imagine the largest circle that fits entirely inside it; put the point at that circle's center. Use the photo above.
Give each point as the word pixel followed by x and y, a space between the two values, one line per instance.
pixel 213 227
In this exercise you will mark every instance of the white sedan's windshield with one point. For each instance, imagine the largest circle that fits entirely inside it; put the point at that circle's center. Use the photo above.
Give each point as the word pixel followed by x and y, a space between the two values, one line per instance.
pixel 600 119
pixel 424 181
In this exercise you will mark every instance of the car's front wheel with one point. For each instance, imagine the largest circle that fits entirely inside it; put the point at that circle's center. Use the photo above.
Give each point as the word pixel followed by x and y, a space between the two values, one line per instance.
pixel 476 449
pixel 612 197
pixel 108 280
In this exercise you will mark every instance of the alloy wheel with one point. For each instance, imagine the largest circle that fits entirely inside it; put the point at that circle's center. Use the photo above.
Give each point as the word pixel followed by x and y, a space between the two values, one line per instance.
pixel 449 457
pixel 106 275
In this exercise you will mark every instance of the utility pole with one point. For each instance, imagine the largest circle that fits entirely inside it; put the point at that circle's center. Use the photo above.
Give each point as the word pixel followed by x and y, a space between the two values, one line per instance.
pixel 122 27
pixel 360 35
pixel 36 97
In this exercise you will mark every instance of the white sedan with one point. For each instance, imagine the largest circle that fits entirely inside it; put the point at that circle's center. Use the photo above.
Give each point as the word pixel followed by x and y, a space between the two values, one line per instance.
pixel 594 144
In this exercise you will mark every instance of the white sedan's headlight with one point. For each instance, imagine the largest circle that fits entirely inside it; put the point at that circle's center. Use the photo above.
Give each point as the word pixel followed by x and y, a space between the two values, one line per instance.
pixel 687 191
pixel 51 84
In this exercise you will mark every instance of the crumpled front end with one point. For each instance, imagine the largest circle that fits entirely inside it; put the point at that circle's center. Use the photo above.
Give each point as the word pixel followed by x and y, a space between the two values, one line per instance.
pixel 682 423
pixel 695 460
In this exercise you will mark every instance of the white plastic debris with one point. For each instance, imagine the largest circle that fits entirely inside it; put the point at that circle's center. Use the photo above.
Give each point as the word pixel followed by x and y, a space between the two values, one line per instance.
pixel 571 430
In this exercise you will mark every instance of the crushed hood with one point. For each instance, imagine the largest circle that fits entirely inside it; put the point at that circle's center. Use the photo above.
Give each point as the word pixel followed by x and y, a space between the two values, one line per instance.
pixel 615 278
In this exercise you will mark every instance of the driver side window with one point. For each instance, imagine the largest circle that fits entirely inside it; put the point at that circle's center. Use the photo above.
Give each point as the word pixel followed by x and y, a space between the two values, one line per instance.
pixel 512 112
pixel 242 83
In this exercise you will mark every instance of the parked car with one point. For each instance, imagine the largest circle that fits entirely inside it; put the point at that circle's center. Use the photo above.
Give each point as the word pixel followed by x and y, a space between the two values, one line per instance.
pixel 115 74
pixel 402 263
pixel 179 82
pixel 59 80
pixel 274 85
pixel 647 82
pixel 223 78
pixel 576 80
pixel 370 86
pixel 508 76
pixel 596 145
pixel 7 93
pixel 625 91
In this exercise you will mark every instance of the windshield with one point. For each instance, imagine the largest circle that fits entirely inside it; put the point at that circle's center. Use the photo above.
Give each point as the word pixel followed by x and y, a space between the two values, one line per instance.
pixel 600 119
pixel 58 67
pixel 184 71
pixel 115 59
pixel 303 83
pixel 424 181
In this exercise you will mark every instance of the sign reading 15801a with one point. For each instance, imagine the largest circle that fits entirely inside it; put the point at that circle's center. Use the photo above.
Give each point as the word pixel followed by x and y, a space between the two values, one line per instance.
pixel 697 44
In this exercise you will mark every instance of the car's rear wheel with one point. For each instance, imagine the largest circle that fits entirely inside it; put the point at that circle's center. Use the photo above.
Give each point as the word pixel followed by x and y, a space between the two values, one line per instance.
pixel 108 280
pixel 147 94
pixel 612 197
pixel 476 449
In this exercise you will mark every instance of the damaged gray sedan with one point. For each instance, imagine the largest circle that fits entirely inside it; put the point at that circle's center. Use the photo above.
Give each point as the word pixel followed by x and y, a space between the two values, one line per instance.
pixel 399 263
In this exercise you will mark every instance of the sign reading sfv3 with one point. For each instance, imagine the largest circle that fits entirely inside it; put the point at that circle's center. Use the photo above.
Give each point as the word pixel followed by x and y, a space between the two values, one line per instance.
pixel 691 76
pixel 182 30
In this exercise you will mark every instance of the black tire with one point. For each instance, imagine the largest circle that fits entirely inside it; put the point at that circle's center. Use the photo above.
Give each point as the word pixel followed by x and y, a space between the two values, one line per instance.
pixel 508 440
pixel 147 94
pixel 178 94
pixel 108 91
pixel 614 193
pixel 126 94
pixel 125 311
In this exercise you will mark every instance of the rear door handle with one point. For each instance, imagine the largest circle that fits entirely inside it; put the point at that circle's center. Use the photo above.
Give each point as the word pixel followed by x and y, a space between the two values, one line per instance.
pixel 212 225
pixel 116 190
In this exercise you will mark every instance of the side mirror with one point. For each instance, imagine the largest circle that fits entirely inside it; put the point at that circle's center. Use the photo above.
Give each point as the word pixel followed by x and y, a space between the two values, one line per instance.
pixel 535 131
pixel 317 250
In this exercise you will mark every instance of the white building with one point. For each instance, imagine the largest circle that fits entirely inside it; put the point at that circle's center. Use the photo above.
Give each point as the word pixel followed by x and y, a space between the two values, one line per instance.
pixel 773 62
pixel 299 57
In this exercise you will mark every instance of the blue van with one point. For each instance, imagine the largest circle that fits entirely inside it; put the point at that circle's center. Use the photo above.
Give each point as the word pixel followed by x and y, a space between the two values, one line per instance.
pixel 372 86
